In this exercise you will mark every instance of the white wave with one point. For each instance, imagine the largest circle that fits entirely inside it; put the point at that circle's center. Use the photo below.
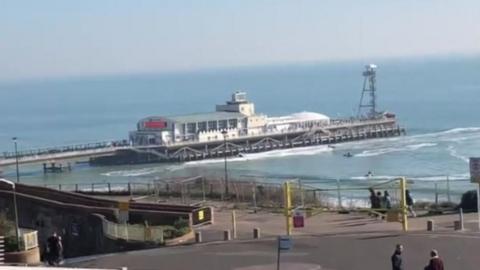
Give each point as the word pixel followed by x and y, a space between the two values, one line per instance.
pixel 301 151
pixel 381 151
pixel 374 177
pixel 461 130
pixel 139 172
pixel 455 154
pixel 451 135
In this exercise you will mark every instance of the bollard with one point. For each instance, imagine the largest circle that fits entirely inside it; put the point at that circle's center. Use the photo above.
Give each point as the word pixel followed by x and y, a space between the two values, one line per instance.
pixel 198 237
pixel 256 233
pixel 226 235
pixel 461 219
pixel 234 225
pixel 430 225
pixel 457 225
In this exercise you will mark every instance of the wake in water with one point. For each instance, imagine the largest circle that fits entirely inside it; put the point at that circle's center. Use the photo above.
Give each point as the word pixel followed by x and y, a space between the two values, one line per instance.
pixel 381 151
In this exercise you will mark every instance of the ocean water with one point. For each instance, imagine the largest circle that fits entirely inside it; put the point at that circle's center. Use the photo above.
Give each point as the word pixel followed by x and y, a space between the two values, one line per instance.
pixel 436 100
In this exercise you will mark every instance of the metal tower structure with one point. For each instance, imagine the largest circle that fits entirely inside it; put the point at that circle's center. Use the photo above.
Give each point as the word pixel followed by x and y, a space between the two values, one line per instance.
pixel 367 107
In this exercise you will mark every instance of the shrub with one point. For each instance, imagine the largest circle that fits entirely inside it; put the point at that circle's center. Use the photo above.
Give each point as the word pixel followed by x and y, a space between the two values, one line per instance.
pixel 7 229
pixel 181 227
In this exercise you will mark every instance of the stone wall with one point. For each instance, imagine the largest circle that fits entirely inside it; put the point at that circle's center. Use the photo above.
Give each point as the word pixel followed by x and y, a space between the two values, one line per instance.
pixel 81 230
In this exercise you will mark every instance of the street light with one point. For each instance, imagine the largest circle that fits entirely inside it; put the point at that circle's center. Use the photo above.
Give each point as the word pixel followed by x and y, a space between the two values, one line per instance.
pixel 224 133
pixel 15 209
pixel 16 158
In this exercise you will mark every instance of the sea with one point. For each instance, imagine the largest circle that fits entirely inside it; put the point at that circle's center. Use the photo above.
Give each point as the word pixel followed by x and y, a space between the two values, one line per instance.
pixel 435 99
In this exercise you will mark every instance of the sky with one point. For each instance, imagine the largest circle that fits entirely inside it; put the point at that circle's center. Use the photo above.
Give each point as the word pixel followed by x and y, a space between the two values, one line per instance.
pixel 57 39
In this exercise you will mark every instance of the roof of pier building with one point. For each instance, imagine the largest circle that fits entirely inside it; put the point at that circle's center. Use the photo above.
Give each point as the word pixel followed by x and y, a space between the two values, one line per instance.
pixel 195 117
pixel 299 117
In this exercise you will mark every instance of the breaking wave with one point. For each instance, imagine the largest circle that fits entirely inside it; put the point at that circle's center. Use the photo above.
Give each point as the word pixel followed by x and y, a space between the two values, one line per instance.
pixel 455 154
pixel 433 178
pixel 142 171
pixel 301 151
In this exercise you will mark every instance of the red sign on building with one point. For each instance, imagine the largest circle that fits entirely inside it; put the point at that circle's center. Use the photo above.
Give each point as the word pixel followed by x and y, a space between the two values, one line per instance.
pixel 155 124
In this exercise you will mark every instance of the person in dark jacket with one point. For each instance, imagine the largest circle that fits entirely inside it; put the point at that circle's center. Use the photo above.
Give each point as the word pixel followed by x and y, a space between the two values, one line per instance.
pixel 374 199
pixel 397 258
pixel 435 262
pixel 409 201
pixel 54 249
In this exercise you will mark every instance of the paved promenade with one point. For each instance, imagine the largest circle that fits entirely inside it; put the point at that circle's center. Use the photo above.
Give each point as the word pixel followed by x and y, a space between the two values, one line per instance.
pixel 329 241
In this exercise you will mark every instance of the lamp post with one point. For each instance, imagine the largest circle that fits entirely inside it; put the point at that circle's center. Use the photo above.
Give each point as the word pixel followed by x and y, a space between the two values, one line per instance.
pixel 15 210
pixel 224 133
pixel 16 158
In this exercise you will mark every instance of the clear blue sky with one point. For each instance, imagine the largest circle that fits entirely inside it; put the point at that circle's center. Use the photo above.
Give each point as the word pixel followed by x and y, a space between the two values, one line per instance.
pixel 46 38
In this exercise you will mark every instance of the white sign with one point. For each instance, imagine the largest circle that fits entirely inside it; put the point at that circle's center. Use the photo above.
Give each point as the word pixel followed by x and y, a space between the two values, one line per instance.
pixel 475 170
pixel 284 243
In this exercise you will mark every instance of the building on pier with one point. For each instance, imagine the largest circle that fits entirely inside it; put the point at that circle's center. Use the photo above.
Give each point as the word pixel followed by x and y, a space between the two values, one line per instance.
pixel 237 118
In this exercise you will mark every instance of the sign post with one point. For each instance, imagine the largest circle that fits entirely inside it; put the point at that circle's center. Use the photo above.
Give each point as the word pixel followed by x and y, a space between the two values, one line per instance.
pixel 287 206
pixel 403 203
pixel 475 178
pixel 123 209
pixel 284 243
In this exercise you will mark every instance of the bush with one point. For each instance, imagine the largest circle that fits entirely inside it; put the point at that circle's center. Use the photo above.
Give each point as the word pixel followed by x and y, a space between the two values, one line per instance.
pixel 10 243
pixel 7 227
pixel 469 201
pixel 181 227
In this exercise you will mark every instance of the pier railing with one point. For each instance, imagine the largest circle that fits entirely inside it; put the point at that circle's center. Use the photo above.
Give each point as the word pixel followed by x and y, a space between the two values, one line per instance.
pixel 65 149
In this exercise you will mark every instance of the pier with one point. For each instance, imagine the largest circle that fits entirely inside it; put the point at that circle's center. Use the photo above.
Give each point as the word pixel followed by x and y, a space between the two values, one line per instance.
pixel 121 152
pixel 339 131
pixel 62 153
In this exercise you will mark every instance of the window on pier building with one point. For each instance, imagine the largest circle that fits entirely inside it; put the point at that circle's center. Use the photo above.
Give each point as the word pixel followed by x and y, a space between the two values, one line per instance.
pixel 212 125
pixel 202 126
pixel 222 124
pixel 232 123
pixel 191 127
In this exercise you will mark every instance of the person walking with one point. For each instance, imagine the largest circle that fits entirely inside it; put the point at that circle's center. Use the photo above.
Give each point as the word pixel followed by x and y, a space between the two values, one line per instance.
pixel 409 201
pixel 387 203
pixel 54 249
pixel 435 262
pixel 396 258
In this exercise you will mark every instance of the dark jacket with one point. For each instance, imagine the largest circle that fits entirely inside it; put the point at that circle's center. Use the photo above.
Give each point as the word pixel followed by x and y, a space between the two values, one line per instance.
pixel 435 264
pixel 397 261
pixel 409 200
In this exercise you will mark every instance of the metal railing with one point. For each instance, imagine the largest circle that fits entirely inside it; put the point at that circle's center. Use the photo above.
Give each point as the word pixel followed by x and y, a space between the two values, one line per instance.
pixel 261 191
pixel 133 232
pixel 65 149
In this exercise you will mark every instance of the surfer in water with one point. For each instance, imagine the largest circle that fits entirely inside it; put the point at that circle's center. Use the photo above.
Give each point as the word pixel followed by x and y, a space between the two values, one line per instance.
pixel 348 154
